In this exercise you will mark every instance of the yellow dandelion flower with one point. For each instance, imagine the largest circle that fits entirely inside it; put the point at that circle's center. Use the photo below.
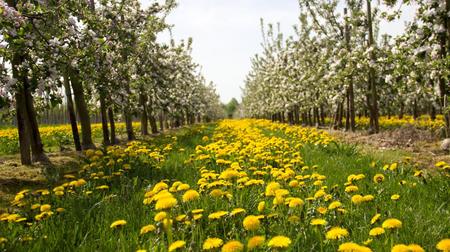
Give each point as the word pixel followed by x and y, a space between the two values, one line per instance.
pixel 444 245
pixel 237 211
pixel 233 246
pixel 395 197
pixel 351 188
pixel 336 233
pixel 212 243
pixel 279 242
pixel 407 248
pixel 296 202
pixel 118 223
pixel 217 215
pixel 357 199
pixel 353 247
pixel 261 206
pixel 375 218
pixel 251 223
pixel 177 245
pixel 392 223
pixel 190 195
pixel 147 229
pixel 376 231
pixel 322 210
pixel 378 178
pixel 165 203
pixel 271 188
pixel 255 242
pixel 334 205
pixel 318 222
pixel 45 208
pixel 160 216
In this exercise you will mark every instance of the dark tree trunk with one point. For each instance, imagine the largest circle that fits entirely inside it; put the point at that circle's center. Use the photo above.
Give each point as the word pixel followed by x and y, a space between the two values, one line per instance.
pixel 129 124
pixel 144 116
pixel 24 139
pixel 104 117
pixel 112 125
pixel 83 113
pixel 350 117
pixel 71 111
pixel 374 126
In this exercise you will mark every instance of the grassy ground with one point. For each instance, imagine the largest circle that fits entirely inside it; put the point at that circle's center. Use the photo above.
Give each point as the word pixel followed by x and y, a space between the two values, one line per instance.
pixel 85 224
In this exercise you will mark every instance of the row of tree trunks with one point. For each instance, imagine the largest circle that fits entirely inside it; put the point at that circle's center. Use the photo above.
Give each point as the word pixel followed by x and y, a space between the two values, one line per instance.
pixel 29 136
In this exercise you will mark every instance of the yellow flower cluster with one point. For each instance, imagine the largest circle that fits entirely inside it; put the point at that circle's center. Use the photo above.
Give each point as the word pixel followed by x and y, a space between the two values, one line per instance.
pixel 102 171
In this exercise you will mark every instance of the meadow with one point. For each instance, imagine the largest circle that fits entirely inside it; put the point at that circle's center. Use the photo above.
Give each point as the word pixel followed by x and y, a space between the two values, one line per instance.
pixel 238 185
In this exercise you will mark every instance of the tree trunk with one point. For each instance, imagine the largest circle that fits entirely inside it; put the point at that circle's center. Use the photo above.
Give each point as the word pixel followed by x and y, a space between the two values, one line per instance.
pixel 83 113
pixel 24 139
pixel 112 125
pixel 71 111
pixel 374 126
pixel 104 119
pixel 152 118
pixel 350 90
pixel 144 117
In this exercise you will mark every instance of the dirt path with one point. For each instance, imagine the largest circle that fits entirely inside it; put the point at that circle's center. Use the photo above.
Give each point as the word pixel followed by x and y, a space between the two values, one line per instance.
pixel 422 146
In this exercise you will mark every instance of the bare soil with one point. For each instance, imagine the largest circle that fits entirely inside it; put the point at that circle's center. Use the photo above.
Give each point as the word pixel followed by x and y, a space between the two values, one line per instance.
pixel 423 146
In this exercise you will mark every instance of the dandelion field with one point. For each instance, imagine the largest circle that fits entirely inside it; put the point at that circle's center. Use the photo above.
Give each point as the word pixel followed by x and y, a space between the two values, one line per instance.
pixel 238 185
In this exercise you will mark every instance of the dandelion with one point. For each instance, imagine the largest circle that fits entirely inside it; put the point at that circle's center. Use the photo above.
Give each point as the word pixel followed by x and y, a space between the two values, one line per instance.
pixel 279 242
pixel 177 245
pixel 255 242
pixel 296 202
pixel 375 218
pixel 45 208
pixel 217 215
pixel 118 223
pixel 233 246
pixel 407 248
pixel 336 233
pixel 261 206
pixel 322 210
pixel 251 223
pixel 147 229
pixel 160 216
pixel 395 197
pixel 190 195
pixel 318 222
pixel 444 245
pixel 378 178
pixel 351 188
pixel 353 247
pixel 212 243
pixel 165 203
pixel 334 205
pixel 376 231
pixel 392 224
pixel 237 211
pixel 357 199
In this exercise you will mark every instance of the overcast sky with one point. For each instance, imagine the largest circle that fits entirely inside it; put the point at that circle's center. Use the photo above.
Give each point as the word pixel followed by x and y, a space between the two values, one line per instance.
pixel 226 34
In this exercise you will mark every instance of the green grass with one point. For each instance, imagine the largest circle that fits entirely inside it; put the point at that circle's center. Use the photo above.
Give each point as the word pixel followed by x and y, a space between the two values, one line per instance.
pixel 84 226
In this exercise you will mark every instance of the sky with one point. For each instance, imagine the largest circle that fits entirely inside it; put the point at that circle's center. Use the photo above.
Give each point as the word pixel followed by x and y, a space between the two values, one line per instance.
pixel 227 33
